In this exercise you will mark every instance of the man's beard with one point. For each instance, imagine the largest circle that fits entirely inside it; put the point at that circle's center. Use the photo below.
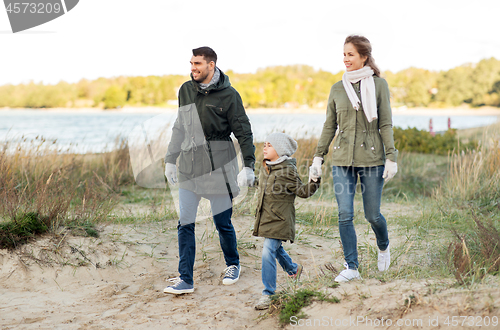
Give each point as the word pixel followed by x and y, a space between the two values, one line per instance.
pixel 201 77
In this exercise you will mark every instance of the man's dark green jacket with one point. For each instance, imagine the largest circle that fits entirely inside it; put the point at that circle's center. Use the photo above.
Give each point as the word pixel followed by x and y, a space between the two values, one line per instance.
pixel 201 137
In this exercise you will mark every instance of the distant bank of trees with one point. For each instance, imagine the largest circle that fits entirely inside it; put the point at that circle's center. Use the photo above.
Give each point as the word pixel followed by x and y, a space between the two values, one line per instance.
pixel 280 86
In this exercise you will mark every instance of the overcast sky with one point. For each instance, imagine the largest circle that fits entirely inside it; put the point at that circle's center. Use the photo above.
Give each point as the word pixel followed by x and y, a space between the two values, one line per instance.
pixel 107 38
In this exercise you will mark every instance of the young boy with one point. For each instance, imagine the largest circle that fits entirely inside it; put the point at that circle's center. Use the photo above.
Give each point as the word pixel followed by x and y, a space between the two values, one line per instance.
pixel 279 183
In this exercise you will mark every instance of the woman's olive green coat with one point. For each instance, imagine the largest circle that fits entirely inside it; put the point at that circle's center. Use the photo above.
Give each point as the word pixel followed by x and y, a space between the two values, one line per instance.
pixel 278 186
pixel 358 143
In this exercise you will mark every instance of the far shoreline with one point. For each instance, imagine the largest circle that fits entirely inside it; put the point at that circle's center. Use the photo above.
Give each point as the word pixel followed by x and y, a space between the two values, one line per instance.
pixel 399 111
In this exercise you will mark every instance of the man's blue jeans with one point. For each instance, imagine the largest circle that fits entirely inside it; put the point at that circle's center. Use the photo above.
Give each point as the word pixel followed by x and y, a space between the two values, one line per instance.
pixel 274 250
pixel 344 183
pixel 222 210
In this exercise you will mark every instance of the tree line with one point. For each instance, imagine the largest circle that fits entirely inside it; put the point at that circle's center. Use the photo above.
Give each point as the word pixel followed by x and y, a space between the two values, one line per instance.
pixel 476 84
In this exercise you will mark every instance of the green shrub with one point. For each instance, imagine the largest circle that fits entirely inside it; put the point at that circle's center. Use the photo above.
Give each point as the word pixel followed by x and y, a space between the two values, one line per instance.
pixel 415 140
pixel 291 304
pixel 20 229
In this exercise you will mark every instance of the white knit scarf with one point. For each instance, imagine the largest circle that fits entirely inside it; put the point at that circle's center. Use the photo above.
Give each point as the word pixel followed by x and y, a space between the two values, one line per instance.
pixel 367 88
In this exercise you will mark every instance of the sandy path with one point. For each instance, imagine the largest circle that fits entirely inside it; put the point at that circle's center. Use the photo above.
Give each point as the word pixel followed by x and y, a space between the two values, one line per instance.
pixel 119 284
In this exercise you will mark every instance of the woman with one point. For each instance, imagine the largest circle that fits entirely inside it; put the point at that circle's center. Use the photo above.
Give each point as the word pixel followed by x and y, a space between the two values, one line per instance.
pixel 359 107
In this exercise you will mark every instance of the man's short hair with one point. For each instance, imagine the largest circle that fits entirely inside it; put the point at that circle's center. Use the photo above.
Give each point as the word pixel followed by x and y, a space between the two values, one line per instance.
pixel 208 54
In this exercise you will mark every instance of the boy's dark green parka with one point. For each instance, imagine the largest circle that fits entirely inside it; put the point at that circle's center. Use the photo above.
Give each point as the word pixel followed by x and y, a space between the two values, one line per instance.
pixel 278 186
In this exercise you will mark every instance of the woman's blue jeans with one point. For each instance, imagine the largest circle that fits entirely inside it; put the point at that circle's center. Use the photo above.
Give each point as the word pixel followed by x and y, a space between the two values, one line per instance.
pixel 344 183
pixel 222 210
pixel 271 251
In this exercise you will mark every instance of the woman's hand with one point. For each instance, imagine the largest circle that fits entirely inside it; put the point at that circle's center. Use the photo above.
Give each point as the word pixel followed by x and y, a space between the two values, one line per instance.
pixel 391 168
pixel 315 169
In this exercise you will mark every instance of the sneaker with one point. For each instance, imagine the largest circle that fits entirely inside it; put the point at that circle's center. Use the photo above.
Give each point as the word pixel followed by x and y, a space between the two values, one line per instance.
pixel 178 287
pixel 296 276
pixel 347 275
pixel 384 259
pixel 231 274
pixel 263 303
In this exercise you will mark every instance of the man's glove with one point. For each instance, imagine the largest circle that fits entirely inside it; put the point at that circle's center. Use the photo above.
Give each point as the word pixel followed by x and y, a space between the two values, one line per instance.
pixel 246 177
pixel 391 168
pixel 171 173
pixel 315 169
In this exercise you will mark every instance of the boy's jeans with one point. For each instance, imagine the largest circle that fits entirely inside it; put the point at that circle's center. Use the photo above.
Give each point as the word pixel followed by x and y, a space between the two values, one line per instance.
pixel 188 202
pixel 344 184
pixel 273 250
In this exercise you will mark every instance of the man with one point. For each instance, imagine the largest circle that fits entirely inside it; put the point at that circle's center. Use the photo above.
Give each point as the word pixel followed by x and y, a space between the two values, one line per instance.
pixel 209 111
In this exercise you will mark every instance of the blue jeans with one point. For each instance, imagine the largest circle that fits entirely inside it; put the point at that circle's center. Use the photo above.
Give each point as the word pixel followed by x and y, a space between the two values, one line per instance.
pixel 222 209
pixel 271 251
pixel 344 182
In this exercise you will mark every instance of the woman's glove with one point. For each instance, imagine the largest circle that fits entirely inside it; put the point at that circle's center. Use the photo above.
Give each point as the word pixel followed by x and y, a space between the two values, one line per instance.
pixel 246 177
pixel 391 168
pixel 171 173
pixel 315 169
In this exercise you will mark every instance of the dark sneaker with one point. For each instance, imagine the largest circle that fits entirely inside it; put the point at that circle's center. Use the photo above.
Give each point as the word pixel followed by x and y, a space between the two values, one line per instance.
pixel 231 274
pixel 296 276
pixel 178 287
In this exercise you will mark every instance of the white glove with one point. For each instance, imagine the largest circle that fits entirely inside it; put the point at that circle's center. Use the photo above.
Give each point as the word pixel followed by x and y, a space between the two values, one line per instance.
pixel 391 168
pixel 315 169
pixel 246 177
pixel 171 173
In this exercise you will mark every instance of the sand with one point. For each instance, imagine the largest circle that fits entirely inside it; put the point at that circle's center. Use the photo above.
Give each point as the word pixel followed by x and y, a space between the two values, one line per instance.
pixel 116 281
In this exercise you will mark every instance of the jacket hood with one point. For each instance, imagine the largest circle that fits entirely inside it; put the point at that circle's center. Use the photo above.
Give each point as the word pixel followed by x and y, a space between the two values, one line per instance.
pixel 221 84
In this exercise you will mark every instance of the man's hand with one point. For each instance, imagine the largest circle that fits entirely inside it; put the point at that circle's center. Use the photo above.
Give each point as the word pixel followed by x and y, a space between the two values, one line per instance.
pixel 171 173
pixel 390 170
pixel 246 177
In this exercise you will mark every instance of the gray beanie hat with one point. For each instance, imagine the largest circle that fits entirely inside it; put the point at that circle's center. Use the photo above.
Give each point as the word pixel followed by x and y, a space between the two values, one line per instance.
pixel 283 143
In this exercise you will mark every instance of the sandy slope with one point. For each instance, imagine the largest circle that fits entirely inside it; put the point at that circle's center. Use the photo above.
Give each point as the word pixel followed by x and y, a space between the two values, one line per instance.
pixel 119 284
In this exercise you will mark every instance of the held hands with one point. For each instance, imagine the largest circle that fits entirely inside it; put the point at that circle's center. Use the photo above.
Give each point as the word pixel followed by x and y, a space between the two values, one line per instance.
pixel 246 177
pixel 391 168
pixel 315 169
pixel 171 173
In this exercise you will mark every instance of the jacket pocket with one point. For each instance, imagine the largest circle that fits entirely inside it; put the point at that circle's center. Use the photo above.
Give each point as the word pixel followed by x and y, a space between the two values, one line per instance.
pixel 185 114
pixel 281 211
pixel 221 153
pixel 186 162
pixel 245 124
pixel 218 109
pixel 376 148
pixel 340 146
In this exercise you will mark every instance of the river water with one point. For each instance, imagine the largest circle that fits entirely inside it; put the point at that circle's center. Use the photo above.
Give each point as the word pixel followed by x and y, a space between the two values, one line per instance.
pixel 93 131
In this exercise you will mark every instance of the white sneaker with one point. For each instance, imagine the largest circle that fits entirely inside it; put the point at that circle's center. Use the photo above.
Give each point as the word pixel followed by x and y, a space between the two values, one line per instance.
pixel 384 259
pixel 347 274
pixel 263 303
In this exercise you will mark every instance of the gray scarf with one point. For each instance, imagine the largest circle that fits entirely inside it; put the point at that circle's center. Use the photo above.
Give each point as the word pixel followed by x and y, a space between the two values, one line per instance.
pixel 213 81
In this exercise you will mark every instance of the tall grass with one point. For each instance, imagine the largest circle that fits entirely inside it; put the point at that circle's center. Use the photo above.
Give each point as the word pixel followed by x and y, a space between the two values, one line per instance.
pixel 473 188
pixel 474 176
pixel 55 189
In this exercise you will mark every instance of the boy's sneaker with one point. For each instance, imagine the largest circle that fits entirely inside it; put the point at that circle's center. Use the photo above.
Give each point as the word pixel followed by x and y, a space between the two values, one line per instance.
pixel 347 275
pixel 263 303
pixel 231 274
pixel 179 286
pixel 296 276
pixel 384 259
